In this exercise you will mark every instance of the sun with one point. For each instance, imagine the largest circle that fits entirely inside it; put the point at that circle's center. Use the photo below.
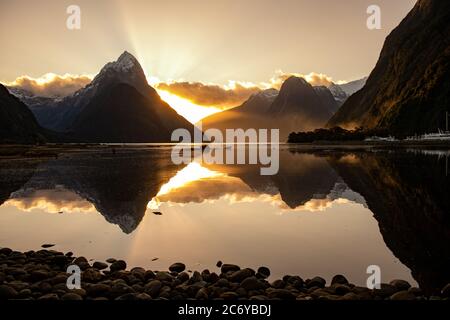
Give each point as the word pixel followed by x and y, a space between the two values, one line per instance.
pixel 189 110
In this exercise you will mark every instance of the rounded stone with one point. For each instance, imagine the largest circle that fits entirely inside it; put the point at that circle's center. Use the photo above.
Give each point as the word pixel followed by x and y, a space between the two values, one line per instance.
pixel 99 265
pixel 240 275
pixel 153 287
pixel 400 285
pixel 252 283
pixel 71 296
pixel 118 265
pixel 49 296
pixel 403 295
pixel 177 267
pixel 264 271
pixel 6 292
pixel 229 267
pixel 316 282
pixel 339 279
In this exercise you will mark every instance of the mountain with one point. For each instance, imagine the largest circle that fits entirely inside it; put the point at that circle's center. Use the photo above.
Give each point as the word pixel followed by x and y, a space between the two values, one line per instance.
pixel 248 115
pixel 297 106
pixel 351 87
pixel 338 94
pixel 122 114
pixel 300 107
pixel 117 106
pixel 17 122
pixel 408 90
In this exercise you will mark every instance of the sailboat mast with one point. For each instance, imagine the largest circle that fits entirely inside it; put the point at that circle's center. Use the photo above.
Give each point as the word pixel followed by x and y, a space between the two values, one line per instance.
pixel 446 121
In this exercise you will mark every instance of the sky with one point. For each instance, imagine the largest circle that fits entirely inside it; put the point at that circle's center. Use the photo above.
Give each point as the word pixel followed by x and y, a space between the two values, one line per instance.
pixel 220 42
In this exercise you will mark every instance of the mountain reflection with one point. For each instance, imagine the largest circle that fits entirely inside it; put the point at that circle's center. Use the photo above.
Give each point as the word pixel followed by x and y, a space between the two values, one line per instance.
pixel 407 192
pixel 409 197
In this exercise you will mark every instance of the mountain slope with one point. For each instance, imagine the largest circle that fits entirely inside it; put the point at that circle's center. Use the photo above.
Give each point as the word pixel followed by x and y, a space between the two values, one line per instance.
pixel 122 114
pixel 17 122
pixel 299 106
pixel 248 115
pixel 408 90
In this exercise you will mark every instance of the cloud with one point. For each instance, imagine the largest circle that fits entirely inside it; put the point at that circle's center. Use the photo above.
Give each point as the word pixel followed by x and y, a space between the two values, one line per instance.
pixel 51 85
pixel 315 79
pixel 235 92
pixel 211 95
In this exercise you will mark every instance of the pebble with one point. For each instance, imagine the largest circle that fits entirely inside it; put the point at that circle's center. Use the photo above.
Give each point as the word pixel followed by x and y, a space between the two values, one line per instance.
pixel 6 292
pixel 152 288
pixel 264 272
pixel 229 267
pixel 339 279
pixel 403 295
pixel 47 245
pixel 71 296
pixel 251 283
pixel 41 275
pixel 100 265
pixel 316 282
pixel 177 267
pixel 401 285
pixel 118 265
pixel 240 275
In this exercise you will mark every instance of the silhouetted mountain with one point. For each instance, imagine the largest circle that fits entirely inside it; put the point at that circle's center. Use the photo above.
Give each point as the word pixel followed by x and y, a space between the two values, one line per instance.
pixel 17 122
pixel 408 91
pixel 412 210
pixel 122 114
pixel 298 106
pixel 109 109
pixel 251 114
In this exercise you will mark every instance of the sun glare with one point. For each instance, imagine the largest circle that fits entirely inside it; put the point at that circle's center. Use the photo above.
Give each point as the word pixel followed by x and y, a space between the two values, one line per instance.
pixel 192 112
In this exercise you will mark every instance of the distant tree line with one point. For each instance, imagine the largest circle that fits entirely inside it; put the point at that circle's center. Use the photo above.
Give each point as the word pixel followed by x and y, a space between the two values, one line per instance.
pixel 334 134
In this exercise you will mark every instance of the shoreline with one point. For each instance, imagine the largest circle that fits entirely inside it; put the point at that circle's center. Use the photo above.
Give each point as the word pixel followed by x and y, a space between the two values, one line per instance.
pixel 41 275
pixel 22 151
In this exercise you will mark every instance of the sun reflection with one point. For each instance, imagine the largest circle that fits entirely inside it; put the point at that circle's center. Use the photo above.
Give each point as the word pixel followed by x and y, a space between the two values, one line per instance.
pixel 192 172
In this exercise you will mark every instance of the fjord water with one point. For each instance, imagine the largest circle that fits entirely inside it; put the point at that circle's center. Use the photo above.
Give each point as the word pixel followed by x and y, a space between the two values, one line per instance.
pixel 324 213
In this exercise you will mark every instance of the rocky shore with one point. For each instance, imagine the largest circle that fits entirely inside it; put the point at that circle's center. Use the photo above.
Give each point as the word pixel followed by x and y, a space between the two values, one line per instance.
pixel 41 275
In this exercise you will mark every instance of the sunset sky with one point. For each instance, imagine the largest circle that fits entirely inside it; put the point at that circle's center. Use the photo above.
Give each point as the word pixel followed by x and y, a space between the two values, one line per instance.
pixel 209 42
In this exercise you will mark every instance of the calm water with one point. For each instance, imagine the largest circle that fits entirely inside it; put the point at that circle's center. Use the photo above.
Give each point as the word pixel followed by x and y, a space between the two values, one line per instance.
pixel 324 213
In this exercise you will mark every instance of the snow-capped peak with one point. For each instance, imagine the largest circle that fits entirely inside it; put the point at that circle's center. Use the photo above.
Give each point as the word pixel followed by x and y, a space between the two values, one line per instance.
pixel 124 63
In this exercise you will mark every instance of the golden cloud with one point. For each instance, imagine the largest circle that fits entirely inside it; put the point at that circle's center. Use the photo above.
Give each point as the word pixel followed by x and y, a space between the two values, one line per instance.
pixel 51 85
pixel 315 79
pixel 212 95
pixel 236 92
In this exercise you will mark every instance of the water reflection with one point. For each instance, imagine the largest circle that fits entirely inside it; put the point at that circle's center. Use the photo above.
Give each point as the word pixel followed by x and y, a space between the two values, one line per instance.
pixel 311 218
